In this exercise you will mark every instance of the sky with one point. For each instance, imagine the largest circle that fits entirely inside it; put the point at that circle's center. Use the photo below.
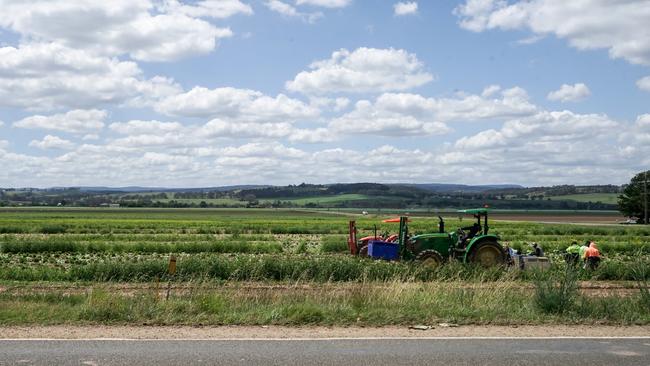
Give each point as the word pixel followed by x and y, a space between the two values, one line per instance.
pixel 222 92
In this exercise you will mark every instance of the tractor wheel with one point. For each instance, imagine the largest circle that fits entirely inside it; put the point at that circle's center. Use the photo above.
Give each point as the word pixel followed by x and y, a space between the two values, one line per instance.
pixel 430 258
pixel 487 254
pixel 363 251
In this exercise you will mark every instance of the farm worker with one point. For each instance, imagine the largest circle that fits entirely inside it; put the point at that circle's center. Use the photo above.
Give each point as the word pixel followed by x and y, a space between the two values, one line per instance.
pixel 537 250
pixel 592 255
pixel 510 254
pixel 572 253
pixel 583 249
pixel 473 230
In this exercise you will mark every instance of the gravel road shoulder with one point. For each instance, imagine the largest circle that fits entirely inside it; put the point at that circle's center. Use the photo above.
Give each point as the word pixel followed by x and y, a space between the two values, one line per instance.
pixel 261 332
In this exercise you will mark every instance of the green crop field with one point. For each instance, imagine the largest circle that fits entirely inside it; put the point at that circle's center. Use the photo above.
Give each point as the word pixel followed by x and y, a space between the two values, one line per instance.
pixel 325 199
pixel 611 198
pixel 214 201
pixel 264 266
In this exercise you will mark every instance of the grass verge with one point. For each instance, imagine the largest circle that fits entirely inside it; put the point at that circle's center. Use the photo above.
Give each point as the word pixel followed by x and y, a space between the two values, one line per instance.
pixel 364 304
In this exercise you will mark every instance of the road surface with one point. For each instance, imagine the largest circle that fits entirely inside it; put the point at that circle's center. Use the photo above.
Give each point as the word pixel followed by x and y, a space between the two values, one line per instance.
pixel 402 351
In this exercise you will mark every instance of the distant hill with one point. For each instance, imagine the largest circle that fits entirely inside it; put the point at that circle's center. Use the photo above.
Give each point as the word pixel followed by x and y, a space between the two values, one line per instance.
pixel 449 188
pixel 136 189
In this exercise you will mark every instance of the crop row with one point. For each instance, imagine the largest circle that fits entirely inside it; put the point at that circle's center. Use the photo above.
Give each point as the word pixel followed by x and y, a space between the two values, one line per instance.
pixel 59 224
pixel 66 246
pixel 321 268
pixel 259 243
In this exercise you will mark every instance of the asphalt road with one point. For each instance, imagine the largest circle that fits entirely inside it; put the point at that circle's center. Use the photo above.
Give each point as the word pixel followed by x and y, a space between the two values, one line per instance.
pixel 412 352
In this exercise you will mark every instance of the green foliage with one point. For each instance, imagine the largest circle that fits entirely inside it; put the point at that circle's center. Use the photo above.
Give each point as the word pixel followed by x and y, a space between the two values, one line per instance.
pixel 557 295
pixel 334 244
pixel 641 273
pixel 53 229
pixel 62 244
pixel 631 201
pixel 302 247
pixel 83 238
pixel 364 304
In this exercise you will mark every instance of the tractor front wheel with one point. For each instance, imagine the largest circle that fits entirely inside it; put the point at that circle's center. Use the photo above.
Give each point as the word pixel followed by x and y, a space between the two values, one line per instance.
pixel 487 254
pixel 430 259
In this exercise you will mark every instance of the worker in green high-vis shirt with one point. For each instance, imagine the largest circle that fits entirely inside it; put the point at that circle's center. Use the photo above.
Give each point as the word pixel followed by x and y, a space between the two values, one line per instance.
pixel 572 253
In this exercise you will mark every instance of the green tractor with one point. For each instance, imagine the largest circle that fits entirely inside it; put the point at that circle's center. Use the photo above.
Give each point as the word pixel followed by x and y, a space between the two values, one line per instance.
pixel 471 244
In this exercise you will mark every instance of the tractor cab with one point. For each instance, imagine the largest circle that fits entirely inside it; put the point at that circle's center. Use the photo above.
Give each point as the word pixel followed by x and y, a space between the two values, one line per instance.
pixel 479 227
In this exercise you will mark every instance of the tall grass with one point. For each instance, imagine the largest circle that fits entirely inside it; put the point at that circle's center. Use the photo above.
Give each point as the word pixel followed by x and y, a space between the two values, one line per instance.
pixel 288 267
pixel 557 295
pixel 383 303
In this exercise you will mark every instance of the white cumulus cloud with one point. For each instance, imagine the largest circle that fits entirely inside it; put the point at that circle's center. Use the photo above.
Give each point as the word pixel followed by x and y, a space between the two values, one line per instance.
pixel 405 8
pixel 145 127
pixel 289 10
pixel 77 121
pixel 218 128
pixel 312 136
pixel 236 104
pixel 362 70
pixel 570 93
pixel 208 8
pixel 644 83
pixel 43 76
pixel 52 142
pixel 464 107
pixel 116 27
pixel 543 127
pixel 367 118
pixel 621 27
pixel 399 114
pixel 325 3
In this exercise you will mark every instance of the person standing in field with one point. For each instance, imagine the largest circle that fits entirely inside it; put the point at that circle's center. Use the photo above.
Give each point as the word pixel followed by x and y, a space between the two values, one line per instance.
pixel 583 249
pixel 572 253
pixel 592 256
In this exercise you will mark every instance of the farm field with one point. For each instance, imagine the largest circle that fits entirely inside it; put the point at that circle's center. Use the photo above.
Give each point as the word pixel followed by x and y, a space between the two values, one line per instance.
pixel 273 266
pixel 590 197
pixel 325 199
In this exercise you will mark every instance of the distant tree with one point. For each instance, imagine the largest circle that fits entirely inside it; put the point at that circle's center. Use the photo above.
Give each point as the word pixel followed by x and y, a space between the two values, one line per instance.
pixel 203 204
pixel 631 201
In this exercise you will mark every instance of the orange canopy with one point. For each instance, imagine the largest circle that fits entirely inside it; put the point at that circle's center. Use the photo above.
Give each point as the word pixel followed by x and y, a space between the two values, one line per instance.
pixel 393 220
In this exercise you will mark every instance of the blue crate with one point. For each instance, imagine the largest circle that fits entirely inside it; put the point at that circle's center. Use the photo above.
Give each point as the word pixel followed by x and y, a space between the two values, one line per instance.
pixel 383 249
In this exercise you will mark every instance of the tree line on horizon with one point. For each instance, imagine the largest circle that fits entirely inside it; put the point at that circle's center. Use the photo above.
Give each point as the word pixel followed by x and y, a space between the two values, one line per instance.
pixel 366 195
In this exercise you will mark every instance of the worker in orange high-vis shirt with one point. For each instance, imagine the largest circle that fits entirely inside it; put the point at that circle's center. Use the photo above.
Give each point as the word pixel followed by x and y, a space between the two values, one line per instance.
pixel 592 256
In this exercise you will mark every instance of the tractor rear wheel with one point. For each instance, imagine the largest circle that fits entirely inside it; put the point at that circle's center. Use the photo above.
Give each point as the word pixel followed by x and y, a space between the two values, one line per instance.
pixel 363 251
pixel 487 254
pixel 430 258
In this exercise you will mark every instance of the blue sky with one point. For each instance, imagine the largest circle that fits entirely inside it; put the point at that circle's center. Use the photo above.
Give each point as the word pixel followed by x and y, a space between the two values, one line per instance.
pixel 219 92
